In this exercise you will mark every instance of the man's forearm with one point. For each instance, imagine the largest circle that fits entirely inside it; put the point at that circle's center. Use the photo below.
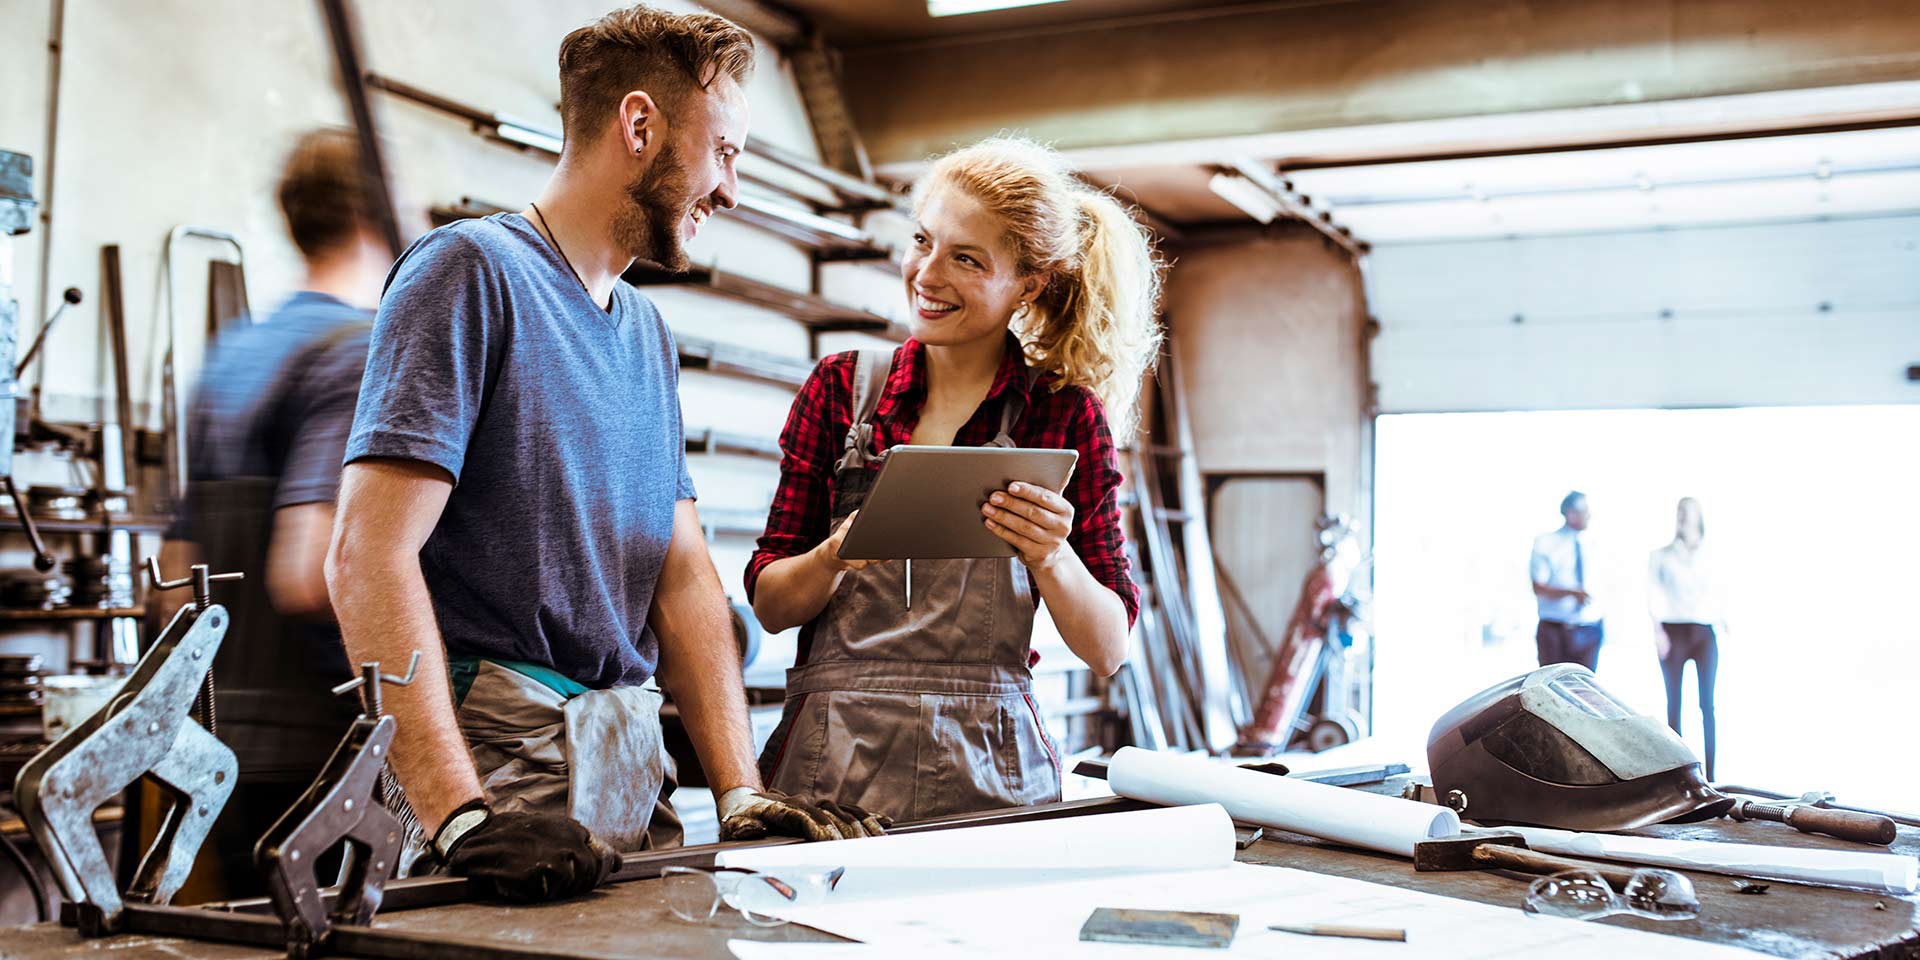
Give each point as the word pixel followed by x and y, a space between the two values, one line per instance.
pixel 698 662
pixel 386 615
pixel 706 686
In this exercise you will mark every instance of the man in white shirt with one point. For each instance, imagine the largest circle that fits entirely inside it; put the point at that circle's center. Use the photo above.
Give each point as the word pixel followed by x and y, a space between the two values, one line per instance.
pixel 1570 626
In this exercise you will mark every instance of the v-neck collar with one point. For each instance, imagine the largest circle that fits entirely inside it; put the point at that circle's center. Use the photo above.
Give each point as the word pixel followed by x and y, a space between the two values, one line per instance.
pixel 614 313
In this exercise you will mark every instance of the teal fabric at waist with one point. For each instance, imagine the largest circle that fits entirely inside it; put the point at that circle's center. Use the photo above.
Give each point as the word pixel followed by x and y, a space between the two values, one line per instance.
pixel 462 669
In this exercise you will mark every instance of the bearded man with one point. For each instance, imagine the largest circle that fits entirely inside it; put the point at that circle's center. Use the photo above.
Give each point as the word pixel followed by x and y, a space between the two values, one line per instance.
pixel 516 509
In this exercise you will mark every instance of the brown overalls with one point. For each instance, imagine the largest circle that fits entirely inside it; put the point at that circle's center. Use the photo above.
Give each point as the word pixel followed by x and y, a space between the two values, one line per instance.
pixel 923 711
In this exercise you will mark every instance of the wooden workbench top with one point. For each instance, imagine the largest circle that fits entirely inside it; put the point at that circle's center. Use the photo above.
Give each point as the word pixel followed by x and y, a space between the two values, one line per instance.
pixel 630 921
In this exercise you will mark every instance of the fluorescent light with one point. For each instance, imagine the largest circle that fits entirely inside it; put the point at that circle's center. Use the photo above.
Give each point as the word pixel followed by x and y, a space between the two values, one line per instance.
pixel 954 8
pixel 1250 197
pixel 514 132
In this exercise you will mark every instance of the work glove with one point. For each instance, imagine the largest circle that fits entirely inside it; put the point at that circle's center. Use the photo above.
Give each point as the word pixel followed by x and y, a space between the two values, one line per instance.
pixel 749 814
pixel 524 857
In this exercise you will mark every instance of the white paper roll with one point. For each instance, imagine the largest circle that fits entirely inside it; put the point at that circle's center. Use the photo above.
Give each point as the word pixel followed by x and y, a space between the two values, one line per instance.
pixel 1182 838
pixel 1891 872
pixel 1340 814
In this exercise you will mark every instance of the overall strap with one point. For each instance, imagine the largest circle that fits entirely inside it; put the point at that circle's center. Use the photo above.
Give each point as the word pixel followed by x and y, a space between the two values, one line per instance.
pixel 871 368
pixel 1015 407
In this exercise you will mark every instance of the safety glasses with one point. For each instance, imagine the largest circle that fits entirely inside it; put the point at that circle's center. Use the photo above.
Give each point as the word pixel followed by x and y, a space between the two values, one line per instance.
pixel 694 894
pixel 1586 895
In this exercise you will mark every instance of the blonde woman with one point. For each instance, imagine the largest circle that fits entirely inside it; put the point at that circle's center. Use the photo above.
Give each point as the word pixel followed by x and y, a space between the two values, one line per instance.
pixel 1033 301
pixel 1684 600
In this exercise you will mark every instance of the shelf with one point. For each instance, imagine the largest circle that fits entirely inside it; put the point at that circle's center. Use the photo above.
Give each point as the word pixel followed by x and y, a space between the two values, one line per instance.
pixel 10 523
pixel 853 191
pixel 829 238
pixel 806 308
pixel 733 522
pixel 732 361
pixel 715 441
pixel 69 613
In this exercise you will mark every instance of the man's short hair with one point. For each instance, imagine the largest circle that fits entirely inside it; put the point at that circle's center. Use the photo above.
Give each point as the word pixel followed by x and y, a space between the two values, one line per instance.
pixel 640 48
pixel 1571 500
pixel 323 191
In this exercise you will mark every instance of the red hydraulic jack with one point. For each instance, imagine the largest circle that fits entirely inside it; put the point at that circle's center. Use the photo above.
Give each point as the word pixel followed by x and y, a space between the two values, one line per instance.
pixel 1302 654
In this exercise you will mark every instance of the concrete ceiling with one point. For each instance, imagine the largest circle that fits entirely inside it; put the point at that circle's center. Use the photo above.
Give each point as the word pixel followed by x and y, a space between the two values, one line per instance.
pixel 862 24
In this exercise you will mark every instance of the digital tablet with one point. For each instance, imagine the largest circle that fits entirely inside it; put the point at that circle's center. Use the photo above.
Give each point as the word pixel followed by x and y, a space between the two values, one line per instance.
pixel 925 504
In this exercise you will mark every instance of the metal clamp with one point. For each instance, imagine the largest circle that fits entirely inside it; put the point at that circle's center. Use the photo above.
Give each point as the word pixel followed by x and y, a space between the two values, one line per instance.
pixel 142 731
pixel 200 579
pixel 340 805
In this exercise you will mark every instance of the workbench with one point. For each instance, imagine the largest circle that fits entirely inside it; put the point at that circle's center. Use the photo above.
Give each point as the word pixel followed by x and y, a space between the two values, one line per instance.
pixel 630 921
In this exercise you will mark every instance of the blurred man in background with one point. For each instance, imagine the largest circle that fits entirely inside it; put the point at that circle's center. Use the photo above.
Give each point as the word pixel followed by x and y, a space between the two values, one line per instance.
pixel 1570 628
pixel 267 429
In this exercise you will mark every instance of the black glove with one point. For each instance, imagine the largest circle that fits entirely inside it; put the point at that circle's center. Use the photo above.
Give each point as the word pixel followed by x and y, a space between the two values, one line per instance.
pixel 747 814
pixel 529 857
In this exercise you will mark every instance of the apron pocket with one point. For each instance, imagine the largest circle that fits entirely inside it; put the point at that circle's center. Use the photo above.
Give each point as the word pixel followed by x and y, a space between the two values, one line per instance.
pixel 515 727
pixel 980 755
pixel 614 750
pixel 855 747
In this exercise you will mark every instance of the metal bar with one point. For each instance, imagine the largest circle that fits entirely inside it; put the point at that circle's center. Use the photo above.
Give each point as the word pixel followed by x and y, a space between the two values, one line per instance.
pixel 738 444
pixel 117 331
pixel 267 932
pixel 420 892
pixel 540 141
pixel 845 184
pixel 56 44
pixel 807 308
pixel 1341 777
pixel 346 54
pixel 701 354
pixel 1295 206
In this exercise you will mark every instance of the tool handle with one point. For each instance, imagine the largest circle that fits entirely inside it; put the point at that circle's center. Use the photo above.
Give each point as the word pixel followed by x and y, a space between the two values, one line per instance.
pixel 1533 861
pixel 1845 824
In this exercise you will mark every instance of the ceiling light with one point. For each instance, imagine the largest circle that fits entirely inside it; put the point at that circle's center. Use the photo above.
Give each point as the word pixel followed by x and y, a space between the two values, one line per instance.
pixel 526 136
pixel 954 8
pixel 1250 197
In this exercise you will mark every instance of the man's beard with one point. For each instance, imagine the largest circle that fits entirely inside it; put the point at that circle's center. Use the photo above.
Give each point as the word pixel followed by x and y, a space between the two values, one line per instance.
pixel 648 226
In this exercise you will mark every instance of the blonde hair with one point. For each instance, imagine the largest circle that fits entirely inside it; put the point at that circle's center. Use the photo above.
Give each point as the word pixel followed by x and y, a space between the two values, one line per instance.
pixel 1096 322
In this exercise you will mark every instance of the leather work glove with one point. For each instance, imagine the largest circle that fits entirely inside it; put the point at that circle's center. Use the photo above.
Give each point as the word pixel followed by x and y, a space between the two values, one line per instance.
pixel 749 814
pixel 524 857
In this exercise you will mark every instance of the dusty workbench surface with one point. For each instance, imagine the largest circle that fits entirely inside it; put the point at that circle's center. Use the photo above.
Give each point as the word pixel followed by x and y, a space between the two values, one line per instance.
pixel 631 920
pixel 1788 920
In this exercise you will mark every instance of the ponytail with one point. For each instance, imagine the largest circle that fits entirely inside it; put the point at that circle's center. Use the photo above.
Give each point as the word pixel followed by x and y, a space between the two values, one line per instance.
pixel 1095 324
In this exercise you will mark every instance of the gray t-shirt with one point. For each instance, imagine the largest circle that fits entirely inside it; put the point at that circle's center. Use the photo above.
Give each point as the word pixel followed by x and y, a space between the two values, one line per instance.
pixel 560 423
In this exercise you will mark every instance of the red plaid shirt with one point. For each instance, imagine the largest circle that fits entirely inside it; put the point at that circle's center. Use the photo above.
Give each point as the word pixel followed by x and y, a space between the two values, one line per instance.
pixel 815 437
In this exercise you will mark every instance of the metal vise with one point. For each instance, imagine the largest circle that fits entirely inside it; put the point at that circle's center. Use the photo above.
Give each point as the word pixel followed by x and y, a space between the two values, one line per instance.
pixel 143 731
pixel 340 805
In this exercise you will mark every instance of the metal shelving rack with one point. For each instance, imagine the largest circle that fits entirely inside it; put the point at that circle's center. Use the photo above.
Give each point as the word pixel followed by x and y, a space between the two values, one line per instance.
pixel 815 313
pixel 738 444
pixel 728 360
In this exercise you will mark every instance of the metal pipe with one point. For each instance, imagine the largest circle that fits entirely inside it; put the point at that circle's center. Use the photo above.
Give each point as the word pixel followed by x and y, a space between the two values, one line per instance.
pixel 56 44
pixel 346 53
pixel 420 892
pixel 171 423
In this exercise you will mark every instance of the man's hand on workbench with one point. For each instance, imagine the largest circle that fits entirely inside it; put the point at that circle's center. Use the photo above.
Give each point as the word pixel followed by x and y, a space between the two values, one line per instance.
pixel 531 857
pixel 748 814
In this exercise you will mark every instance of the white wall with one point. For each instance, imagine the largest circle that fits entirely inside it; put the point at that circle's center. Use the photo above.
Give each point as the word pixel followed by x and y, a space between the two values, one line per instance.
pixel 1796 313
pixel 180 111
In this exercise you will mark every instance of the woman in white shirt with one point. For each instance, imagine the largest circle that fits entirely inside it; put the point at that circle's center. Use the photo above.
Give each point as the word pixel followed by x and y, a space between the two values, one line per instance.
pixel 1684 600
